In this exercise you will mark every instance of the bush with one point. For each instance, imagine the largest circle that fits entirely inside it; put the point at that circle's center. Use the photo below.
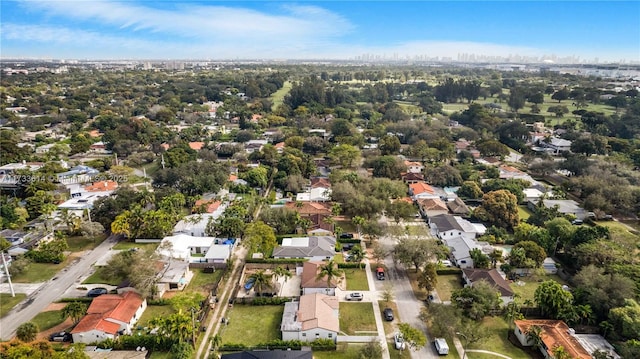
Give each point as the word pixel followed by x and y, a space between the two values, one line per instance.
pixel 232 347
pixel 150 342
pixel 270 301
pixel 349 265
pixel 79 299
pixel 159 302
pixel 348 240
pixel 318 344
pixel 276 260
pixel 323 345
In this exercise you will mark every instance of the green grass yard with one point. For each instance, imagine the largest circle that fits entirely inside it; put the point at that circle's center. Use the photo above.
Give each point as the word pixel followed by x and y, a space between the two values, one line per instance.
pixel 447 284
pixel 124 245
pixel 252 325
pixel 48 320
pixel 343 351
pixel 497 341
pixel 98 277
pixel 204 282
pixel 524 213
pixel 356 279
pixel 278 97
pixel 40 272
pixel 154 311
pixel 357 318
pixel 7 302
pixel 527 290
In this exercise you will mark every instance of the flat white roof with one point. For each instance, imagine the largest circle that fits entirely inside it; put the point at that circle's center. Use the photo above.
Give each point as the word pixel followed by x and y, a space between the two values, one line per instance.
pixel 295 242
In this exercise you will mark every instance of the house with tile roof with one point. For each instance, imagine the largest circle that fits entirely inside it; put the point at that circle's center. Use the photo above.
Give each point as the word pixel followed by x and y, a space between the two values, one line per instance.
pixel 414 167
pixel 555 333
pixel 411 177
pixel 315 316
pixel 421 190
pixel 108 316
pixel 196 145
pixel 430 207
pixel 491 276
pixel 315 248
pixel 458 207
pixel 310 283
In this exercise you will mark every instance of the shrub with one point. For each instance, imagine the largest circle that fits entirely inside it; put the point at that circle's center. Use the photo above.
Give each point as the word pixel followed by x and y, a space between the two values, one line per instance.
pixel 277 260
pixel 79 299
pixel 323 345
pixel 270 301
pixel 349 265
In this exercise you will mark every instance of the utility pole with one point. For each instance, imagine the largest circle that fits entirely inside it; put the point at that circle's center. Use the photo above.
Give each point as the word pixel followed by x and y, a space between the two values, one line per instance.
pixel 6 270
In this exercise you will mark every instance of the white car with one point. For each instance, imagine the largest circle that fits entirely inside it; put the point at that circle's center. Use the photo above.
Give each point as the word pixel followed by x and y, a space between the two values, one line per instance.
pixel 398 340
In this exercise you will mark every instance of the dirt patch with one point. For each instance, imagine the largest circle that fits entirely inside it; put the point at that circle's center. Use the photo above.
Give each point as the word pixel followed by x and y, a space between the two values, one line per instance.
pixel 58 328
pixel 54 306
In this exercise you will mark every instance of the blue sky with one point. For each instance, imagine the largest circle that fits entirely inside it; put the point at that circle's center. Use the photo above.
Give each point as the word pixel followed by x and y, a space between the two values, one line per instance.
pixel 105 29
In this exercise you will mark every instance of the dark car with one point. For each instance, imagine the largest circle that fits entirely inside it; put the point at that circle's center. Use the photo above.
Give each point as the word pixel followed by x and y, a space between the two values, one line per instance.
pixel 96 292
pixel 60 337
pixel 346 235
pixel 388 314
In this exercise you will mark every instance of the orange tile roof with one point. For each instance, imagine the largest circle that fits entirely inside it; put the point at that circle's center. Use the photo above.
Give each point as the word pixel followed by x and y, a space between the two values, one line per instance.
pixel 109 306
pixel 279 145
pixel 420 187
pixel 102 186
pixel 319 311
pixel 555 333
pixel 308 208
pixel 232 177
pixel 209 205
pixel 410 163
pixel 165 146
pixel 309 277
pixel 196 145
pixel 95 133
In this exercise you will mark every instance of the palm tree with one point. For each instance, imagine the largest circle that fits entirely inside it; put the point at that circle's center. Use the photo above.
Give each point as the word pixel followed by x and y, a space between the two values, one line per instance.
pixel 534 335
pixel 280 271
pixel 74 310
pixel 358 221
pixel 528 303
pixel 261 280
pixel 606 328
pixel 512 312
pixel 177 326
pixel 330 272
pixel 585 313
pixel 495 256
pixel 216 340
pixel 357 255
pixel 560 352
pixel 27 332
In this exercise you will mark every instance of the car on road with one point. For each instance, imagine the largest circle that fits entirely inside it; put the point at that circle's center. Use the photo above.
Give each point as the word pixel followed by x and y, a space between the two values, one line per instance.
pixel 441 346
pixel 96 292
pixel 380 273
pixel 60 337
pixel 355 297
pixel 388 314
pixel 398 340
pixel 346 235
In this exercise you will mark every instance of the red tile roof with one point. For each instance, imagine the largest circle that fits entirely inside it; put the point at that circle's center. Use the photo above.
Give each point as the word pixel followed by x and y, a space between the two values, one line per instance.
pixel 555 333
pixel 210 206
pixel 309 278
pixel 420 187
pixel 232 177
pixel 102 186
pixel 109 306
pixel 196 145
pixel 95 321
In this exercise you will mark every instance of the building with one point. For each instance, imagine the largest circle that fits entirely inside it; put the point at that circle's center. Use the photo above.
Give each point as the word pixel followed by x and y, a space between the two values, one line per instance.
pixel 414 167
pixel 431 207
pixel 216 251
pixel 270 354
pixel 461 248
pixel 108 316
pixel 175 276
pixel 421 190
pixel 315 194
pixel 310 283
pixel 449 226
pixel 315 316
pixel 194 225
pixel 565 207
pixel 78 174
pixel 314 248
pixel 554 333
pixel 491 276
pixel 458 207
pixel 557 145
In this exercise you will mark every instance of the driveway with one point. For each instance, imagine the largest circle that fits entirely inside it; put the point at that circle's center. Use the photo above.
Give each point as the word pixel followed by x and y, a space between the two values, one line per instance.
pixel 52 290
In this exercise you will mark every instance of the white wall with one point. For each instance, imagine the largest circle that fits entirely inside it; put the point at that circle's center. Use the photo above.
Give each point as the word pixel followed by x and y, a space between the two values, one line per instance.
pixel 327 291
pixel 309 335
pixel 91 336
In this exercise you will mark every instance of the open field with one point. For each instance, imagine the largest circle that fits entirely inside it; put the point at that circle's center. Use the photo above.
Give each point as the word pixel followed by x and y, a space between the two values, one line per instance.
pixel 203 282
pixel 7 302
pixel 447 284
pixel 81 243
pixel 252 325
pixel 40 272
pixel 356 279
pixel 278 97
pixel 357 318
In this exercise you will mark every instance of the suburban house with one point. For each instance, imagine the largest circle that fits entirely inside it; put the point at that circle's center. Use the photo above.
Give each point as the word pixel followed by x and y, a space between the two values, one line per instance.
pixel 82 200
pixel 196 249
pixel 314 248
pixel 411 177
pixel 207 206
pixel 554 333
pixel 310 283
pixel 78 174
pixel 414 167
pixel 557 145
pixel 316 212
pixel 8 171
pixel 174 276
pixel 491 276
pixel 510 172
pixel 315 194
pixel 320 182
pixel 565 207
pixel 421 190
pixel 461 248
pixel 315 316
pixel 458 207
pixel 449 226
pixel 109 315
pixel 195 224
pixel 431 207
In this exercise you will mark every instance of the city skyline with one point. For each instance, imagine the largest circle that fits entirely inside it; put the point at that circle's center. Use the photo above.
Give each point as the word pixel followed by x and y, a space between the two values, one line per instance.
pixel 460 31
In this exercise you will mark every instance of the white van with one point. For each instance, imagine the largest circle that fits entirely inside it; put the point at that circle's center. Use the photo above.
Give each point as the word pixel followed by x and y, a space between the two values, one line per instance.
pixel 441 346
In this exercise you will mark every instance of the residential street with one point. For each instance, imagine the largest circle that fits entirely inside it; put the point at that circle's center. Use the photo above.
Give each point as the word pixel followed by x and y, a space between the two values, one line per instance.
pixel 408 305
pixel 51 290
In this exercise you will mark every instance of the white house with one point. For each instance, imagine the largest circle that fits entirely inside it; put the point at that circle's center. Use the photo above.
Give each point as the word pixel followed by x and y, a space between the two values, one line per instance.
pixel 194 225
pixel 174 276
pixel 448 226
pixel 314 248
pixel 318 194
pixel 109 315
pixel 553 333
pixel 461 248
pixel 414 167
pixel 315 316
pixel 183 246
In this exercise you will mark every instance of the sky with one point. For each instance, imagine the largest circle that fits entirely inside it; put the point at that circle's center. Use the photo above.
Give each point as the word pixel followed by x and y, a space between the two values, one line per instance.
pixel 268 29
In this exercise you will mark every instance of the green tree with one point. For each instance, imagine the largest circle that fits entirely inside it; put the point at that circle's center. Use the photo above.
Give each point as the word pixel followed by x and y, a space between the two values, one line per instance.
pixel 282 272
pixel 177 326
pixel 261 281
pixel 480 260
pixel 181 350
pixel 532 251
pixel 74 310
pixel 344 155
pixel 552 299
pixel 389 145
pixel 561 95
pixel 516 98
pixel 499 208
pixel 415 252
pixel 400 210
pixel 27 332
pixel 626 319
pixel 259 237
pixel 357 255
pixel 371 350
pixel 476 301
pixel 534 335
pixel 428 277
pixel 412 336
pixel 470 190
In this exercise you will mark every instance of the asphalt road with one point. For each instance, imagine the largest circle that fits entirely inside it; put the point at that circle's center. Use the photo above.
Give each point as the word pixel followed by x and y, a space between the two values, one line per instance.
pixel 51 290
pixel 408 305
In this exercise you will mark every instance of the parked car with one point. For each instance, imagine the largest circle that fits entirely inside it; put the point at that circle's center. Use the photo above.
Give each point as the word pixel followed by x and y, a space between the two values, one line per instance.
pixel 355 297
pixel 346 235
pixel 388 314
pixel 577 222
pixel 96 292
pixel 441 346
pixel 60 337
pixel 249 284
pixel 380 273
pixel 398 340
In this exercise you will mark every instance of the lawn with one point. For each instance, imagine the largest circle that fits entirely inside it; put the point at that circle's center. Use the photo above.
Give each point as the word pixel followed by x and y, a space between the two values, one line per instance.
pixel 278 97
pixel 252 325
pixel 81 243
pixel 497 341
pixel 447 284
pixel 527 290
pixel 203 282
pixel 124 245
pixel 160 355
pixel 357 318
pixel 338 258
pixel 343 351
pixel 40 272
pixel 48 320
pixel 356 279
pixel 420 293
pixel 153 311
pixel 347 226
pixel 524 213
pixel 98 277
pixel 7 302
